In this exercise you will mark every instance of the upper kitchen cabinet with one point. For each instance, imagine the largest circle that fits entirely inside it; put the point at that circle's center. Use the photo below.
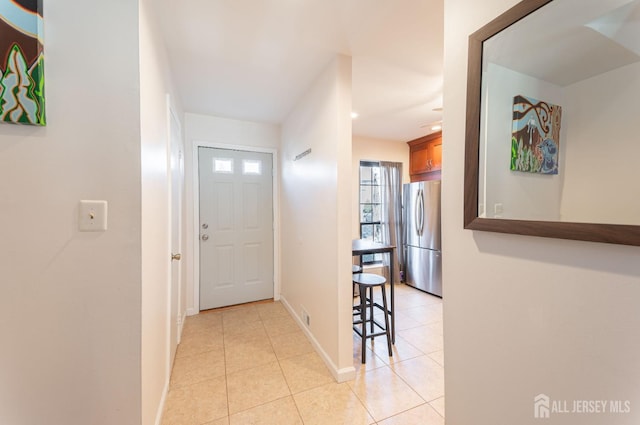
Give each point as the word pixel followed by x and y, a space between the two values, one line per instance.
pixel 425 157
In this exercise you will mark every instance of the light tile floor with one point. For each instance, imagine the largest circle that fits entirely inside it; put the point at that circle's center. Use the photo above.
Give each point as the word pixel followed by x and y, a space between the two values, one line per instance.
pixel 251 364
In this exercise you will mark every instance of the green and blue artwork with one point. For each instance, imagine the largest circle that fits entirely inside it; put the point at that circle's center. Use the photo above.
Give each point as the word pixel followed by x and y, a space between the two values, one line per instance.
pixel 22 63
pixel 535 140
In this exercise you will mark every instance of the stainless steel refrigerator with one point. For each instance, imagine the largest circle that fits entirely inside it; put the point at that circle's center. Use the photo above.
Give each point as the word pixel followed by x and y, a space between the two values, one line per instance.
pixel 422 240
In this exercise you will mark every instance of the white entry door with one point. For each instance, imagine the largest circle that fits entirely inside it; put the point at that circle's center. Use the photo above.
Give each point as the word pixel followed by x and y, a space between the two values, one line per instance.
pixel 236 227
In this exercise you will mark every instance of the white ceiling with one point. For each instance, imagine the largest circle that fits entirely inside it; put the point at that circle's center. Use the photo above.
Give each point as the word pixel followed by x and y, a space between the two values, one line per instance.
pixel 581 39
pixel 252 59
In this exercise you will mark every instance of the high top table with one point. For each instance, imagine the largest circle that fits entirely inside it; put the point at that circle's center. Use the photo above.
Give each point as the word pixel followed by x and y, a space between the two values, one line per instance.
pixel 364 247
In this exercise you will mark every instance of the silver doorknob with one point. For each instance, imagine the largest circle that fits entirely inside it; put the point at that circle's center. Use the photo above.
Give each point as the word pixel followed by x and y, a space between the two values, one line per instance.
pixel 205 237
pixel 176 257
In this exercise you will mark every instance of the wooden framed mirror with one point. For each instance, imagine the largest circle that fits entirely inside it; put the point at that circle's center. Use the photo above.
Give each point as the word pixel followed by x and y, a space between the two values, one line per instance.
pixel 551 141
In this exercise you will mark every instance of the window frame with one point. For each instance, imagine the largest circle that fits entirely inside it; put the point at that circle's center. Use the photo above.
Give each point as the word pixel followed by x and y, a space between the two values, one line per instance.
pixel 370 259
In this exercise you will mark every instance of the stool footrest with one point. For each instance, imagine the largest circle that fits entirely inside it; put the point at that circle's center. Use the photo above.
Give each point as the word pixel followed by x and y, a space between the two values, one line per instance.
pixel 369 335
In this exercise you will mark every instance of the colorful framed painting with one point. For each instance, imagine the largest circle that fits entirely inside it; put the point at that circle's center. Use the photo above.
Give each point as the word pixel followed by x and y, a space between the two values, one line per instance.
pixel 535 139
pixel 22 62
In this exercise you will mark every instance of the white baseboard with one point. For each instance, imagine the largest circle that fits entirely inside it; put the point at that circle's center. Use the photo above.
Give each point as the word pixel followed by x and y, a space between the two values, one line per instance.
pixel 165 390
pixel 181 326
pixel 192 311
pixel 163 400
pixel 340 375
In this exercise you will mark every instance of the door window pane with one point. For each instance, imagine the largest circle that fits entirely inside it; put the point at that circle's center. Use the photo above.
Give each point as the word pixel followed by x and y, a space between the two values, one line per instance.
pixel 223 165
pixel 365 175
pixel 377 233
pixel 366 213
pixel 375 176
pixel 365 194
pixel 375 213
pixel 366 231
pixel 251 166
pixel 375 194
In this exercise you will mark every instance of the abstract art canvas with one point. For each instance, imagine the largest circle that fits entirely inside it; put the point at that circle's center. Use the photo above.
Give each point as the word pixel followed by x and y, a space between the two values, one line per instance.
pixel 535 139
pixel 22 62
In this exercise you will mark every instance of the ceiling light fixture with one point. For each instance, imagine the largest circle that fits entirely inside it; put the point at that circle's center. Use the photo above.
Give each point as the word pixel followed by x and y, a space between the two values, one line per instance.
pixel 354 115
pixel 435 126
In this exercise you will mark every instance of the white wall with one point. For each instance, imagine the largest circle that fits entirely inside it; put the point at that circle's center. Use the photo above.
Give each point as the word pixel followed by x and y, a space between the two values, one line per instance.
pixel 316 213
pixel 528 196
pixel 216 130
pixel 369 149
pixel 527 315
pixel 70 321
pixel 602 155
pixel 155 84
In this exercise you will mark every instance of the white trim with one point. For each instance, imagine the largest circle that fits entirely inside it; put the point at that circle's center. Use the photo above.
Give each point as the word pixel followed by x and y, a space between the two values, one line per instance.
pixel 165 390
pixel 340 375
pixel 169 247
pixel 182 319
pixel 172 114
pixel 163 401
pixel 196 217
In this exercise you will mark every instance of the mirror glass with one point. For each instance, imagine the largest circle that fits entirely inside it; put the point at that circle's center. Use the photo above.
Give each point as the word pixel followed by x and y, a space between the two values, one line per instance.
pixel 558 115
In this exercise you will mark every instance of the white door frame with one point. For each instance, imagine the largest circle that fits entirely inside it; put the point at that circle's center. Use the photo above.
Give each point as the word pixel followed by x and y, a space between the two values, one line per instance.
pixel 171 113
pixel 196 215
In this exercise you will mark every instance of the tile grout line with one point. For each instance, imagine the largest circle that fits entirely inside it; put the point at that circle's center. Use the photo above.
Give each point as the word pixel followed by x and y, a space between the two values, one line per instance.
pixel 437 411
pixel 406 410
pixel 291 394
pixel 226 374
pixel 413 389
pixel 375 421
pixel 285 377
pixel 428 402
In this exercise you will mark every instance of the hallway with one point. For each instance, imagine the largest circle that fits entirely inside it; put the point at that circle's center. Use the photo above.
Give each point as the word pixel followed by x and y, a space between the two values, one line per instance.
pixel 251 364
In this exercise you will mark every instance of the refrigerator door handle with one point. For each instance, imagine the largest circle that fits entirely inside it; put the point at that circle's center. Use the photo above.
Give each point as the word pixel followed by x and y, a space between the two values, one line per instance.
pixel 420 217
pixel 416 213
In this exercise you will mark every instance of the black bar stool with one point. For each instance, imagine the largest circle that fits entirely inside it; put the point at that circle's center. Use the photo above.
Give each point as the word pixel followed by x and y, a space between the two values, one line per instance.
pixel 368 281
pixel 355 269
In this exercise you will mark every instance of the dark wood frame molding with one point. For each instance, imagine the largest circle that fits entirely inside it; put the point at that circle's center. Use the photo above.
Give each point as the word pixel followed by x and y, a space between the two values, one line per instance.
pixel 607 233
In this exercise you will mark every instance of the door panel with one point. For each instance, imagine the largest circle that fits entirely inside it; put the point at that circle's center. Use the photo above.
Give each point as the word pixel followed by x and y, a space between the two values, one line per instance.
pixel 224 270
pixel 424 270
pixel 251 208
pixel 411 194
pixel 414 273
pixel 434 272
pixel 224 203
pixel 236 227
pixel 252 262
pixel 431 228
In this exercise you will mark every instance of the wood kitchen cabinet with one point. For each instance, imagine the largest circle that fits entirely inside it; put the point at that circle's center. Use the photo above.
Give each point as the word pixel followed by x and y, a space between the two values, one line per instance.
pixel 425 157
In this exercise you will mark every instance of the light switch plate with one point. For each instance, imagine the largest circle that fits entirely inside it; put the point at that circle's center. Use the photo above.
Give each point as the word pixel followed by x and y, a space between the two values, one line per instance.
pixel 93 216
